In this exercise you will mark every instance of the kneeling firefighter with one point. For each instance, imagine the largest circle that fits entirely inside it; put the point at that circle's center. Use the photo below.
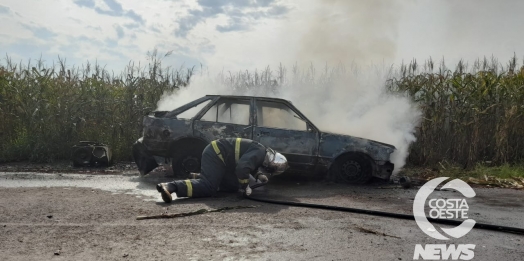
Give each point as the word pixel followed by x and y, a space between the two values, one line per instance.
pixel 226 166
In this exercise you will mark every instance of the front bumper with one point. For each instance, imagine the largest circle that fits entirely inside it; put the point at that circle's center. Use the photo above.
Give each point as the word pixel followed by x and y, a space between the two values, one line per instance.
pixel 384 170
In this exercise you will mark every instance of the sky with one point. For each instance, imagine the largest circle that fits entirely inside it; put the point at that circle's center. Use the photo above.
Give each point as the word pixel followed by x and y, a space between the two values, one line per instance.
pixel 235 35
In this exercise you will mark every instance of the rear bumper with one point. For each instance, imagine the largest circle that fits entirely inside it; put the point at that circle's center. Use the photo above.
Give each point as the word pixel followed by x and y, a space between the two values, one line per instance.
pixel 143 158
pixel 384 169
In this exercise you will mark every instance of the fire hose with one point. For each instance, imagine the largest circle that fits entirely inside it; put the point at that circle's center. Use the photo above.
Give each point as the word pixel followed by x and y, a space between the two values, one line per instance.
pixel 492 227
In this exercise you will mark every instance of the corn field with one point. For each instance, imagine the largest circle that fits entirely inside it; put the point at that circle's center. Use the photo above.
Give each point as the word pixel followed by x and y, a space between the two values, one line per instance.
pixel 44 111
pixel 471 114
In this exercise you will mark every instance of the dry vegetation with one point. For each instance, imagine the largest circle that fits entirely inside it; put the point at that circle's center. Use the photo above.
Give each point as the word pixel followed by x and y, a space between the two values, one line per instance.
pixel 471 115
pixel 44 111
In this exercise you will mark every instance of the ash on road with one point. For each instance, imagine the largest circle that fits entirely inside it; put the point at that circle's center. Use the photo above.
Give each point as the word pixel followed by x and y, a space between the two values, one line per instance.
pixel 93 217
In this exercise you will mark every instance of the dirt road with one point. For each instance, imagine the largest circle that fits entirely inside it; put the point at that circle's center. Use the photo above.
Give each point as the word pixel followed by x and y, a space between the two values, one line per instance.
pixel 93 217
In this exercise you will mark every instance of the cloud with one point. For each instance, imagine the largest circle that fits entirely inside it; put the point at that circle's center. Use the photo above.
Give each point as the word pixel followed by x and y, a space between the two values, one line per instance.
pixel 278 10
pixel 111 8
pixel 186 24
pixel 40 32
pixel 78 21
pixel 137 18
pixel 111 43
pixel 5 10
pixel 115 8
pixel 85 3
pixel 235 24
pixel 206 47
pixel 119 31
pixel 74 45
pixel 83 48
pixel 180 60
pixel 131 26
pixel 154 29
pixel 242 14
pixel 96 28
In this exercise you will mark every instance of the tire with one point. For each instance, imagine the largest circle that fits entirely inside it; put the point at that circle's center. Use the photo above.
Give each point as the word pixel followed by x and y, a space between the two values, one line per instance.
pixel 82 156
pixel 351 168
pixel 187 160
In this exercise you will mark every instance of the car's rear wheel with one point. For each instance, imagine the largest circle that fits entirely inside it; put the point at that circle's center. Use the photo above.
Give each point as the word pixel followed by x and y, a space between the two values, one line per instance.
pixel 351 168
pixel 187 160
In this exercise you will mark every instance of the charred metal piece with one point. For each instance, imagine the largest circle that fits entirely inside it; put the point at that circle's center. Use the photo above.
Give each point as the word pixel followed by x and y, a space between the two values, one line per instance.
pixel 91 154
pixel 405 182
pixel 143 158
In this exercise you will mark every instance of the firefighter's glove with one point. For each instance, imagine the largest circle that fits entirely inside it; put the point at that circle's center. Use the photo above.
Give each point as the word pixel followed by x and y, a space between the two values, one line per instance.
pixel 263 178
pixel 245 190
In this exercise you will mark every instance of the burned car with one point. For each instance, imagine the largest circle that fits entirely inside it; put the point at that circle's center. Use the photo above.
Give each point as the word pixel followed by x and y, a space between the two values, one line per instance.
pixel 181 135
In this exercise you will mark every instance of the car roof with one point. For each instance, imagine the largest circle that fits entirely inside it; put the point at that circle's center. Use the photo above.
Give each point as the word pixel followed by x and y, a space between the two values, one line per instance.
pixel 242 96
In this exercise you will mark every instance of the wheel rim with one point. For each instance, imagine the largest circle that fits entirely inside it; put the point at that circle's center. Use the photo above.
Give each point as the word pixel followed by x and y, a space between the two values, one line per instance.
pixel 352 169
pixel 190 164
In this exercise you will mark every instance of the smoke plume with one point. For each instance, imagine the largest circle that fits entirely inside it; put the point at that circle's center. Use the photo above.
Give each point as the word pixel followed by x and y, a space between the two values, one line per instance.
pixel 343 95
pixel 351 31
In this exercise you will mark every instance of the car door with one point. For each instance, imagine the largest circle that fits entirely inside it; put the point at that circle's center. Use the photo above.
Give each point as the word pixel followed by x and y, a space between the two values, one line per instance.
pixel 280 127
pixel 227 118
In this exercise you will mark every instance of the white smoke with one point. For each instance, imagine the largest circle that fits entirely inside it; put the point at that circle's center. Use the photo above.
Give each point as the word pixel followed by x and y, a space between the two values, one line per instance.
pixel 359 104
pixel 351 101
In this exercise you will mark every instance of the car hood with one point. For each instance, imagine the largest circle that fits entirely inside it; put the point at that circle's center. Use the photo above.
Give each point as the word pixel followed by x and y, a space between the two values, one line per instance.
pixel 333 144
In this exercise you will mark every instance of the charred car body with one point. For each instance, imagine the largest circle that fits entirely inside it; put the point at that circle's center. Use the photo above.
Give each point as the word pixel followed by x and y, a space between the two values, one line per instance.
pixel 182 134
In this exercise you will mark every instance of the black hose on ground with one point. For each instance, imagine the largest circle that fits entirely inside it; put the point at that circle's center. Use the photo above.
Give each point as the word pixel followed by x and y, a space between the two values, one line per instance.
pixel 514 230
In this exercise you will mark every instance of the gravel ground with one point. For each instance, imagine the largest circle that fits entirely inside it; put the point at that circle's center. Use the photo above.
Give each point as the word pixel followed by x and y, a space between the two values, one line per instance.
pixel 61 216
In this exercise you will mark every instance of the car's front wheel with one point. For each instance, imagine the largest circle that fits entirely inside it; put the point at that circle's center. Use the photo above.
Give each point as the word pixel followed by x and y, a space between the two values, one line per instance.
pixel 186 161
pixel 351 168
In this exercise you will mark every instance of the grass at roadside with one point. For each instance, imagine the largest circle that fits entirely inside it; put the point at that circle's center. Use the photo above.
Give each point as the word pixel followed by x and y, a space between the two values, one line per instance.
pixel 504 171
pixel 509 176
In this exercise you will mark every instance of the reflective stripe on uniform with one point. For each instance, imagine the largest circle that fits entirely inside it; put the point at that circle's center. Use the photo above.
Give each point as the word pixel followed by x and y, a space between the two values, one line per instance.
pixel 243 181
pixel 189 188
pixel 217 150
pixel 237 149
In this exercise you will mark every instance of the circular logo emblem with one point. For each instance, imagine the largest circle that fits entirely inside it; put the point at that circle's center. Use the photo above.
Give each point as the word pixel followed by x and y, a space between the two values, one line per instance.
pixel 443 208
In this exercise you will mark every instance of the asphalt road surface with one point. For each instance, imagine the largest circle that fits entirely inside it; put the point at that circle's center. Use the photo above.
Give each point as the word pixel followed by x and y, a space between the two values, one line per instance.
pixel 93 217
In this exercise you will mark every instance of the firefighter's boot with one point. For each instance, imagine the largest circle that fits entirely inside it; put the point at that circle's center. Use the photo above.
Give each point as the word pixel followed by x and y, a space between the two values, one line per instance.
pixel 163 188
